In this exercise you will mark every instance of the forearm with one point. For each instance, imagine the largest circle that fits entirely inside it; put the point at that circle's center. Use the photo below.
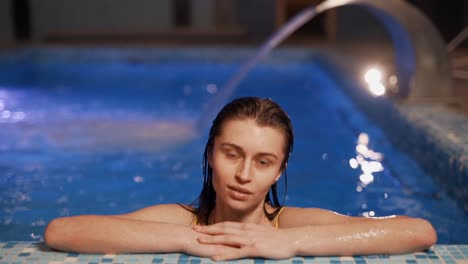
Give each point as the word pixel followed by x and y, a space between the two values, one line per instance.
pixel 107 234
pixel 389 236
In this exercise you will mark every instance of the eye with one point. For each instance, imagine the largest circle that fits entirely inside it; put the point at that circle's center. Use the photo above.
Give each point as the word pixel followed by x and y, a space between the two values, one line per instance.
pixel 232 155
pixel 264 163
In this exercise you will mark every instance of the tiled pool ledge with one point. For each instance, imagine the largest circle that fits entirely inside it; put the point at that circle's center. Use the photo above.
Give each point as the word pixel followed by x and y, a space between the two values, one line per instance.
pixel 35 252
pixel 431 133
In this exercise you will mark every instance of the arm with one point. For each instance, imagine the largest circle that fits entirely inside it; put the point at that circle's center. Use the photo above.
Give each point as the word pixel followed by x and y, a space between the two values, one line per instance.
pixel 161 228
pixel 316 232
pixel 113 234
pixel 345 235
pixel 377 236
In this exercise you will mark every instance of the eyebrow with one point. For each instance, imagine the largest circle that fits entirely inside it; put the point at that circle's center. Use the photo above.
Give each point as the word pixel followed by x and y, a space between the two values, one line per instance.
pixel 238 148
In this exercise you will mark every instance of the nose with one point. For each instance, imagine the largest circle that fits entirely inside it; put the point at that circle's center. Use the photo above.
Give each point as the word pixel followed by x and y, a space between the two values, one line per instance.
pixel 244 174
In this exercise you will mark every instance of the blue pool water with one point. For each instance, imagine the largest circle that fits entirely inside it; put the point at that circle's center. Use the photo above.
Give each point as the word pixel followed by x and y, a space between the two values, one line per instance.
pixel 108 131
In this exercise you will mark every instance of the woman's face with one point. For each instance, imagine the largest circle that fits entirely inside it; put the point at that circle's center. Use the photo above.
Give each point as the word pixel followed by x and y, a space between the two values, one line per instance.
pixel 246 161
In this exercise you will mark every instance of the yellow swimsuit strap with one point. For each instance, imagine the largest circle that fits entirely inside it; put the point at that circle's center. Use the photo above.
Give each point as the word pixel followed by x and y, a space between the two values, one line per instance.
pixel 194 220
pixel 276 220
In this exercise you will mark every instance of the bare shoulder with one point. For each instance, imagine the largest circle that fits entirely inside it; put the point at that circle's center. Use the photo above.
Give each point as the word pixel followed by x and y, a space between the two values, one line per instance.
pixel 167 213
pixel 296 216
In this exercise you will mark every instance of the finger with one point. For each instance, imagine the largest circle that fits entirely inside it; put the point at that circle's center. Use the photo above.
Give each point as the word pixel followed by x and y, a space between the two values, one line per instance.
pixel 210 250
pixel 209 230
pixel 229 240
pixel 231 254
pixel 206 251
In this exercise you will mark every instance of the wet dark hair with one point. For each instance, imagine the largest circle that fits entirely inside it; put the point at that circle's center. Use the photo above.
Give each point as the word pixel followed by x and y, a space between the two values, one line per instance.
pixel 266 113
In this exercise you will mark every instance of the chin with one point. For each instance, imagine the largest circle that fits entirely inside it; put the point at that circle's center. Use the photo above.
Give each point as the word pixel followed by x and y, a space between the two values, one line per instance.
pixel 240 206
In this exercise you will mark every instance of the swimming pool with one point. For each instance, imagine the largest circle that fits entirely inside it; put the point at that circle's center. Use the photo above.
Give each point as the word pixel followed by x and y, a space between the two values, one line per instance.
pixel 108 131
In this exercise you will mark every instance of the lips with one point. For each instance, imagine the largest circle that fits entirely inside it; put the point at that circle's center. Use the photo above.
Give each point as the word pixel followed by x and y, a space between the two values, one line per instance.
pixel 240 189
pixel 239 193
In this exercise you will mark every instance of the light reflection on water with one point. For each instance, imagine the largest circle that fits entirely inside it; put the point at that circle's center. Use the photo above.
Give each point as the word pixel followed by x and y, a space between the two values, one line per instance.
pixel 367 160
pixel 108 134
pixel 77 128
pixel 7 115
pixel 60 156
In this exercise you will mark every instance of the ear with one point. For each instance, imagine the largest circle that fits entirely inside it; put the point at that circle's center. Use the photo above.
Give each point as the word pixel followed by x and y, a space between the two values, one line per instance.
pixel 281 172
pixel 278 177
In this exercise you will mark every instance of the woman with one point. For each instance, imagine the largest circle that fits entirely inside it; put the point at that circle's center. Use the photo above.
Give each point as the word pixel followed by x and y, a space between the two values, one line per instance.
pixel 238 213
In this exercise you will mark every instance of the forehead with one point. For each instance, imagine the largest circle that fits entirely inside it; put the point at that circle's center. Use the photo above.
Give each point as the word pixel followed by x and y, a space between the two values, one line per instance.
pixel 249 135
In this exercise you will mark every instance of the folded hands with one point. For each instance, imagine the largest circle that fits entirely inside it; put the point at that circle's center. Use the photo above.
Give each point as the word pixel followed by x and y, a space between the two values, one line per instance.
pixel 232 240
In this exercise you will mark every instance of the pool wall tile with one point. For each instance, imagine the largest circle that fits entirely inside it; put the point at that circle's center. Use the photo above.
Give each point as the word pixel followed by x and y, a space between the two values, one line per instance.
pixel 444 254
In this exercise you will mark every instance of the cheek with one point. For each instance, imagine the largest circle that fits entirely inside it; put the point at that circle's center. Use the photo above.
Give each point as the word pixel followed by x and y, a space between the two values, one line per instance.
pixel 265 180
pixel 220 175
pixel 222 168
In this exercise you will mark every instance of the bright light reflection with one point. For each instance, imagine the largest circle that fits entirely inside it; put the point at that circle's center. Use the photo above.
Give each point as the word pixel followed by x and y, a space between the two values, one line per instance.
pixel 360 159
pixel 368 160
pixel 5 114
pixel 371 167
pixel 368 214
pixel 377 88
pixel 366 178
pixel 353 163
pixel 361 149
pixel 375 166
pixel 373 75
pixel 373 78
pixel 363 138
pixel 373 155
